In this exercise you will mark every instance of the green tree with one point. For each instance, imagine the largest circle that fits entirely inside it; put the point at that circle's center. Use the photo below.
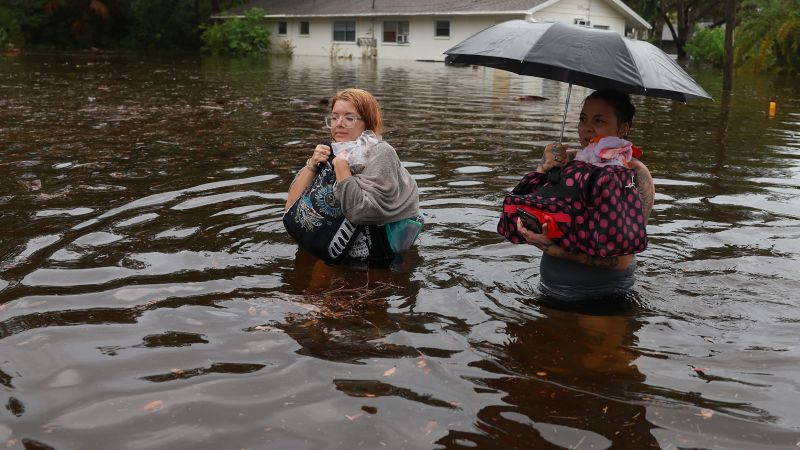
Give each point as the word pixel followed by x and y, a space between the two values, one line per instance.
pixel 106 23
pixel 238 36
pixel 158 24
pixel 687 14
pixel 174 24
pixel 82 23
pixel 707 45
pixel 768 37
pixel 17 19
pixel 680 16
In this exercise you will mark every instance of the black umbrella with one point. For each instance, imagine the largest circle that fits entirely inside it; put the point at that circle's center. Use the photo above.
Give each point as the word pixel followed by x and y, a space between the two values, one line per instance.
pixel 589 57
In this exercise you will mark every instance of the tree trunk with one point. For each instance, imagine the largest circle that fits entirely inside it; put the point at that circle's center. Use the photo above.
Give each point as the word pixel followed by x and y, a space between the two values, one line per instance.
pixel 683 32
pixel 730 24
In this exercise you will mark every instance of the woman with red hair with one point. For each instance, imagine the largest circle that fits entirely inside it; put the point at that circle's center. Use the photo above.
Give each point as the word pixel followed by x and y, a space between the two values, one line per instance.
pixel 371 189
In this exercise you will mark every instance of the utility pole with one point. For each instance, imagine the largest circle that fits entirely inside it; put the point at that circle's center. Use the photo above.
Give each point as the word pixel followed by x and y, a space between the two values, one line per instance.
pixel 730 24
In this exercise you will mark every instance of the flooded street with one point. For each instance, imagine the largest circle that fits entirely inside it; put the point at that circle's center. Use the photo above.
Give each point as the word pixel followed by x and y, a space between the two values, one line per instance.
pixel 150 297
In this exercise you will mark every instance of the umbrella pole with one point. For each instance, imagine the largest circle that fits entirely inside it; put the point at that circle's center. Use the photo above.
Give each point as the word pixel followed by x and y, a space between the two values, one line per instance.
pixel 564 120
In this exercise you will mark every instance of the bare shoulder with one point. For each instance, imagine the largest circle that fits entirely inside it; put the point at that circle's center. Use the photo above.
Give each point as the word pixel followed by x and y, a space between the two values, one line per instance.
pixel 644 181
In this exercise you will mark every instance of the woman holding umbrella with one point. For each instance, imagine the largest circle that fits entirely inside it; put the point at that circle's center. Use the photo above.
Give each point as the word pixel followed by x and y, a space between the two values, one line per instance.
pixel 576 276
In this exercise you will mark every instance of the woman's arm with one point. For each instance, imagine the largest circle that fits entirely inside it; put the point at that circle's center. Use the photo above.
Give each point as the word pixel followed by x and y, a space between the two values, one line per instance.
pixel 546 245
pixel 644 181
pixel 307 174
pixel 383 192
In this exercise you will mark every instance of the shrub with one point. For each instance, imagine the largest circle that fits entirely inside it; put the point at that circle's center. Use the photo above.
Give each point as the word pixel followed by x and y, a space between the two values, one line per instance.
pixel 237 36
pixel 707 45
pixel 14 17
pixel 284 48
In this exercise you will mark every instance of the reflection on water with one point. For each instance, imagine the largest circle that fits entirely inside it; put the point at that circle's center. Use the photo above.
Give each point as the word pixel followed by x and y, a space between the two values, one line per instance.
pixel 150 298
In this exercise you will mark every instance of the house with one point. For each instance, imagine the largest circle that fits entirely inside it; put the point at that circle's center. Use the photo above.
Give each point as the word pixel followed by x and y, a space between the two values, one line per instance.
pixel 417 29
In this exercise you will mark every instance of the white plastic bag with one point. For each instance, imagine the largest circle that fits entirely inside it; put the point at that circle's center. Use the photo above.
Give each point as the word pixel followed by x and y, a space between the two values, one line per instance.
pixel 355 152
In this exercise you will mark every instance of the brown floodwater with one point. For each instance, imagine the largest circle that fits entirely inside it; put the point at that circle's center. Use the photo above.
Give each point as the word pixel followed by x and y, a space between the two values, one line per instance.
pixel 151 299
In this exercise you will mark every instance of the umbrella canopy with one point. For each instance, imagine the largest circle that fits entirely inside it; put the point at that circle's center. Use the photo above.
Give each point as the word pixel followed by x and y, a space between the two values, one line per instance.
pixel 589 57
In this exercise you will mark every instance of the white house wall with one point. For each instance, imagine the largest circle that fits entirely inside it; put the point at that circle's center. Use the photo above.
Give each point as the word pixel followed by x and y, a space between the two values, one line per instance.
pixel 598 12
pixel 422 45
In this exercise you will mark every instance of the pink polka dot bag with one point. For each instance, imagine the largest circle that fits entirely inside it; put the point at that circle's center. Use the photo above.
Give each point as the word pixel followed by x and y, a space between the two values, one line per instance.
pixel 594 210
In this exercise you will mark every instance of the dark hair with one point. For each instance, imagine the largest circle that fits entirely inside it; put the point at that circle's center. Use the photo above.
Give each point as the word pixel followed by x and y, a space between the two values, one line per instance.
pixel 619 101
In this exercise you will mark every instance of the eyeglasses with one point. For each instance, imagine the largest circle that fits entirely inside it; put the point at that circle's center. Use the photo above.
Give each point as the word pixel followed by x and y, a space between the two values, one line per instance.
pixel 347 120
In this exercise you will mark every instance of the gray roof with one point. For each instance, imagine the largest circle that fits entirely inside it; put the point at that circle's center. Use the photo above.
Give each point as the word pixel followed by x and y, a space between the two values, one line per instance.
pixel 317 8
pixel 354 8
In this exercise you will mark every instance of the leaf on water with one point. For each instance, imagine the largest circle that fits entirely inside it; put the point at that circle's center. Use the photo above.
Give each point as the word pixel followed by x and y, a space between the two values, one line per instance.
pixel 541 374
pixel 706 413
pixel 605 409
pixel 267 328
pixel 252 311
pixel 155 405
pixel 422 363
pixel 354 417
pixel 390 372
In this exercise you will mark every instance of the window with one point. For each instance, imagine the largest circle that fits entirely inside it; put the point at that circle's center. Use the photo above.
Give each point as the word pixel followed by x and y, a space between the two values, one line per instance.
pixel 282 28
pixel 395 32
pixel 442 28
pixel 601 27
pixel 344 31
pixel 583 22
pixel 304 29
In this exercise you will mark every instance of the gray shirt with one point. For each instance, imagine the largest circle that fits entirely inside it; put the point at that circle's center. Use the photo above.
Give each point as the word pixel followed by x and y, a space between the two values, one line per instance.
pixel 383 192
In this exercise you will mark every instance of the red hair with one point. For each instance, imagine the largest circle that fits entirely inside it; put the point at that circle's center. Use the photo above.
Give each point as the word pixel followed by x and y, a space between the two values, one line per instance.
pixel 366 105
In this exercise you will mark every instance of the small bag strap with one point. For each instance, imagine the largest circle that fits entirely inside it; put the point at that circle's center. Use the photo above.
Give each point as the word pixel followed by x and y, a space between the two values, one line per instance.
pixel 555 187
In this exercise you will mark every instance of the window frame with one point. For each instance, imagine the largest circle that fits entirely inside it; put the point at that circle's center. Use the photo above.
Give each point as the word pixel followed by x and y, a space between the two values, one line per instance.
pixel 436 29
pixel 400 38
pixel 285 25
pixel 345 31
pixel 307 24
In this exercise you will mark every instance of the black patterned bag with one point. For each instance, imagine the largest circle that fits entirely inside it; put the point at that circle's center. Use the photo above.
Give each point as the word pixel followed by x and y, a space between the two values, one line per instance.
pixel 316 221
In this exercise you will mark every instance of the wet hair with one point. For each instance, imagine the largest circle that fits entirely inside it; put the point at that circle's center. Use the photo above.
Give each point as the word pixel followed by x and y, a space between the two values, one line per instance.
pixel 366 105
pixel 619 101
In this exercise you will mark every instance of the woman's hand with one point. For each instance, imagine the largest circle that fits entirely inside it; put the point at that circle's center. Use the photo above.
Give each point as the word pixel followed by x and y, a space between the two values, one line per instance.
pixel 554 155
pixel 320 156
pixel 341 167
pixel 539 240
pixel 546 245
pixel 307 174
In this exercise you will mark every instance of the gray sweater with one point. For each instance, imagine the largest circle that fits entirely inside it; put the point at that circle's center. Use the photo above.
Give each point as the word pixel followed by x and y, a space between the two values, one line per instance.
pixel 383 192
